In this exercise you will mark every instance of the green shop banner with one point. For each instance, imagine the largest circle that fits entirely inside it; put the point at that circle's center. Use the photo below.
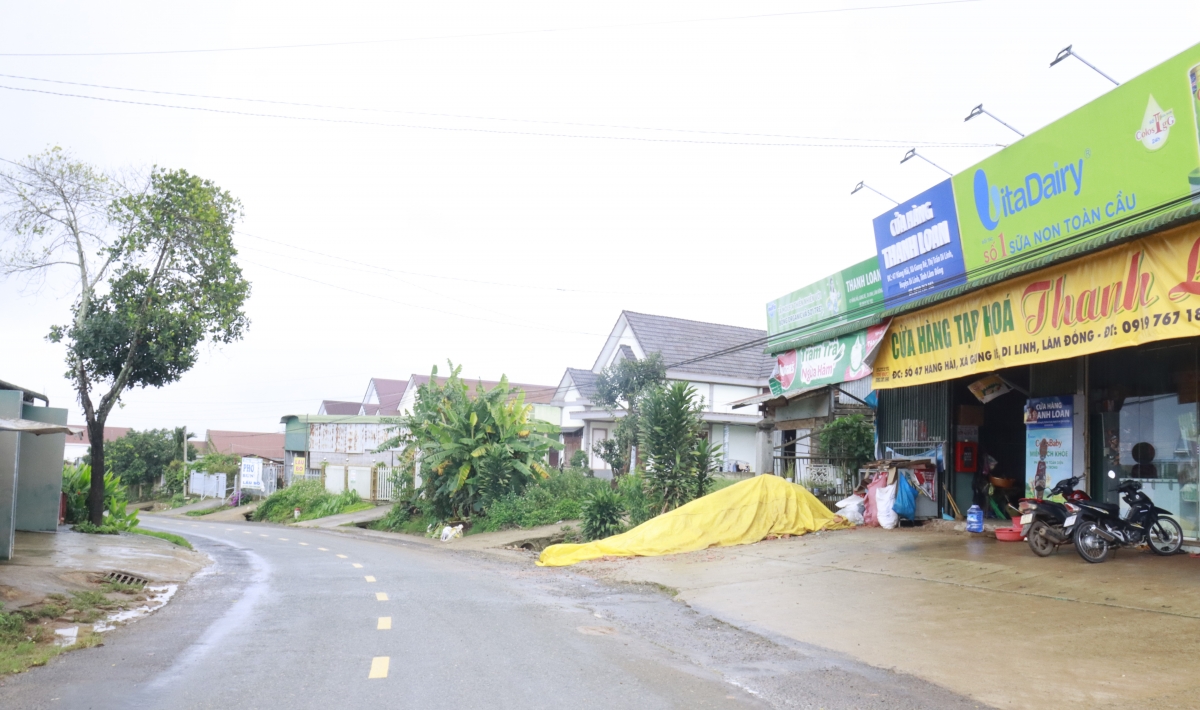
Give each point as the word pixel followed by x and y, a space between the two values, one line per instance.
pixel 842 297
pixel 1131 150
pixel 843 359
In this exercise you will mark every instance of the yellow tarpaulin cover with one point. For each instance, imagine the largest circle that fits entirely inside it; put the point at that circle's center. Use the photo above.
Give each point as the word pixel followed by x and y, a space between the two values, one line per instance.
pixel 741 514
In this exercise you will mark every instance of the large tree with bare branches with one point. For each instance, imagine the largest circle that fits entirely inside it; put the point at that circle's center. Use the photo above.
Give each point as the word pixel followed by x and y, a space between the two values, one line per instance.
pixel 156 275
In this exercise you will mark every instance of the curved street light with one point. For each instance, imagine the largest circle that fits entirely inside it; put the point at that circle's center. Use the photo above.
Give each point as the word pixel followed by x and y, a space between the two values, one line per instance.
pixel 981 111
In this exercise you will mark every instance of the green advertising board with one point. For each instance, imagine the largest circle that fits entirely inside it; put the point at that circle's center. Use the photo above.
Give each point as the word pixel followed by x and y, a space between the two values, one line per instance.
pixel 842 359
pixel 839 298
pixel 1132 150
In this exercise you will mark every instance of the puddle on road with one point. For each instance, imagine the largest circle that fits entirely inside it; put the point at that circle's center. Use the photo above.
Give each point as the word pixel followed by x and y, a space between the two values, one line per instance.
pixel 157 597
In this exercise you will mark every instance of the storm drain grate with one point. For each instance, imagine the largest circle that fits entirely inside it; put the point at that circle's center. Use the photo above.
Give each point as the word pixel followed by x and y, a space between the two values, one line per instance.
pixel 125 578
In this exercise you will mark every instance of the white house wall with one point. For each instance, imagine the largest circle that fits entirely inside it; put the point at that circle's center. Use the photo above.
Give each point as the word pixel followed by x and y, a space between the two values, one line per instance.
pixel 741 443
pixel 723 395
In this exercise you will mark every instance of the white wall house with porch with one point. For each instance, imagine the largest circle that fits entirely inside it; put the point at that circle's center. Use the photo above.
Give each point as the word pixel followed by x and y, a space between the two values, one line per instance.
pixel 685 347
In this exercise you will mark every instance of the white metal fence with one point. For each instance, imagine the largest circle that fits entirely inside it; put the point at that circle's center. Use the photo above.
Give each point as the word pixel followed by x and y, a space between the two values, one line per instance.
pixel 384 488
pixel 207 485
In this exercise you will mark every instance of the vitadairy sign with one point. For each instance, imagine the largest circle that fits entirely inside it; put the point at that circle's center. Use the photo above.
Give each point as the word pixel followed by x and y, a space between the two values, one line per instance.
pixel 1134 149
pixel 839 298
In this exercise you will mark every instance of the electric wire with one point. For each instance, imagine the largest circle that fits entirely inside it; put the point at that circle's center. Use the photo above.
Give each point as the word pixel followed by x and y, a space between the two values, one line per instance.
pixel 501 33
pixel 456 129
pixel 892 143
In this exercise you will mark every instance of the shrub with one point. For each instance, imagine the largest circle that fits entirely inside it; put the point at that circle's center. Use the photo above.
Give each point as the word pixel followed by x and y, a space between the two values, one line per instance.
pixel 77 481
pixel 602 514
pixel 851 437
pixel 579 459
pixel 279 505
pixel 311 498
pixel 640 503
pixel 560 496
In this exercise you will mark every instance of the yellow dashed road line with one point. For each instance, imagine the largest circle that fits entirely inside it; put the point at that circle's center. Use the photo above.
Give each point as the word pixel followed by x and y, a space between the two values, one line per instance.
pixel 322 549
pixel 385 623
pixel 379 667
pixel 247 532
pixel 381 596
pixel 356 565
pixel 263 535
pixel 283 538
pixel 369 578
pixel 342 556
pixel 304 543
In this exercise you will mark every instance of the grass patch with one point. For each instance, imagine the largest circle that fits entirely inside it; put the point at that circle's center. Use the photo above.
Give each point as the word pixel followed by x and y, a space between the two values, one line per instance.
pixel 27 640
pixel 169 537
pixel 313 501
pixel 206 511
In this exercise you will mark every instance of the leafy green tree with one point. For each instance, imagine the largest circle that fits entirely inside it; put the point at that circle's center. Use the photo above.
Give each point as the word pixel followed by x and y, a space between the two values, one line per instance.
pixel 141 457
pixel 216 462
pixel 679 459
pixel 473 449
pixel 851 438
pixel 620 388
pixel 156 276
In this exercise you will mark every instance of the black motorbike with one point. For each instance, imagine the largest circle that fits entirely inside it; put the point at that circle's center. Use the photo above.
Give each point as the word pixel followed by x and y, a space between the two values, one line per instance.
pixel 1042 520
pixel 1099 527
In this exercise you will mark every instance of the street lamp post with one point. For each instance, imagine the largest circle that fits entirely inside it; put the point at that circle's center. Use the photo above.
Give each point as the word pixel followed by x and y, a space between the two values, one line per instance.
pixel 1068 52
pixel 912 153
pixel 863 185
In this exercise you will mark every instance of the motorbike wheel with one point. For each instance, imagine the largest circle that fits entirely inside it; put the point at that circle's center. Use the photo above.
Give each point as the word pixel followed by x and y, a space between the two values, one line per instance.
pixel 1038 542
pixel 1090 546
pixel 1165 536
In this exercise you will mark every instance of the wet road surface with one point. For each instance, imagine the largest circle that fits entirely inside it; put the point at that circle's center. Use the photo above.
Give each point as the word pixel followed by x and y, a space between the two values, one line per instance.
pixel 290 618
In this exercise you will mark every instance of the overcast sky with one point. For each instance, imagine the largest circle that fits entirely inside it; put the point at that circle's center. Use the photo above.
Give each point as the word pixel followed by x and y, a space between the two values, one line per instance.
pixel 502 179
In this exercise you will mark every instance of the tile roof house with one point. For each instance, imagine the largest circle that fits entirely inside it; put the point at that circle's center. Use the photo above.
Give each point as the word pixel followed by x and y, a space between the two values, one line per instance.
pixel 383 396
pixel 267 445
pixel 687 347
pixel 78 444
pixel 333 406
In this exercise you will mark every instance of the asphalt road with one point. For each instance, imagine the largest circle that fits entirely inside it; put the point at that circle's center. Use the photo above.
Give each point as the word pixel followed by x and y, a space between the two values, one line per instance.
pixel 292 618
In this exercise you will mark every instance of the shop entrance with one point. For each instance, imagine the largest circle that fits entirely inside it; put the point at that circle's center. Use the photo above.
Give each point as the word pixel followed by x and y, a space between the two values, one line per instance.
pixel 987 432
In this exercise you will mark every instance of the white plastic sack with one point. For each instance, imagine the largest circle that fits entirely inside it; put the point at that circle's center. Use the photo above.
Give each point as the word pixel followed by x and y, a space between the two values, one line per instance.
pixel 851 508
pixel 449 533
pixel 884 499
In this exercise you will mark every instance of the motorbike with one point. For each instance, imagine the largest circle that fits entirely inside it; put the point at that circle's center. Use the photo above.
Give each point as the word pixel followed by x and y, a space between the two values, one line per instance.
pixel 1042 520
pixel 1098 527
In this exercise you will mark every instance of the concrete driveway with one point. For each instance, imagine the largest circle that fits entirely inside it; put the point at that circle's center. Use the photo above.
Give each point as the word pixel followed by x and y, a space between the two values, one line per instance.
pixel 980 617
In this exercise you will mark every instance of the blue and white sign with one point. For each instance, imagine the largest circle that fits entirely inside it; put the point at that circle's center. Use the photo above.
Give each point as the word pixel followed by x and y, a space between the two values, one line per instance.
pixel 252 473
pixel 918 246
pixel 1049 440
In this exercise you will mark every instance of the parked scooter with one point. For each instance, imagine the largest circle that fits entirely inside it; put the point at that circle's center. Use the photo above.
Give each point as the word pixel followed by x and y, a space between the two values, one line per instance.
pixel 1099 527
pixel 1042 520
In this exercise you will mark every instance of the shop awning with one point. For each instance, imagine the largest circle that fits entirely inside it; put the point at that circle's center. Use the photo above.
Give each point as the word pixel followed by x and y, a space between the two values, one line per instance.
pixel 768 396
pixel 28 426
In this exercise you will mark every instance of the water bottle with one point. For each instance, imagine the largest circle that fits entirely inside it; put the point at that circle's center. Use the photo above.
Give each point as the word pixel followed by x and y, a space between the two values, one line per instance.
pixel 974 519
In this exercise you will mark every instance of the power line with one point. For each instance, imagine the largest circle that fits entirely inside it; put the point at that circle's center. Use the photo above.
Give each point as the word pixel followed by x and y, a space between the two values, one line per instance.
pixel 891 142
pixel 503 33
pixel 457 129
